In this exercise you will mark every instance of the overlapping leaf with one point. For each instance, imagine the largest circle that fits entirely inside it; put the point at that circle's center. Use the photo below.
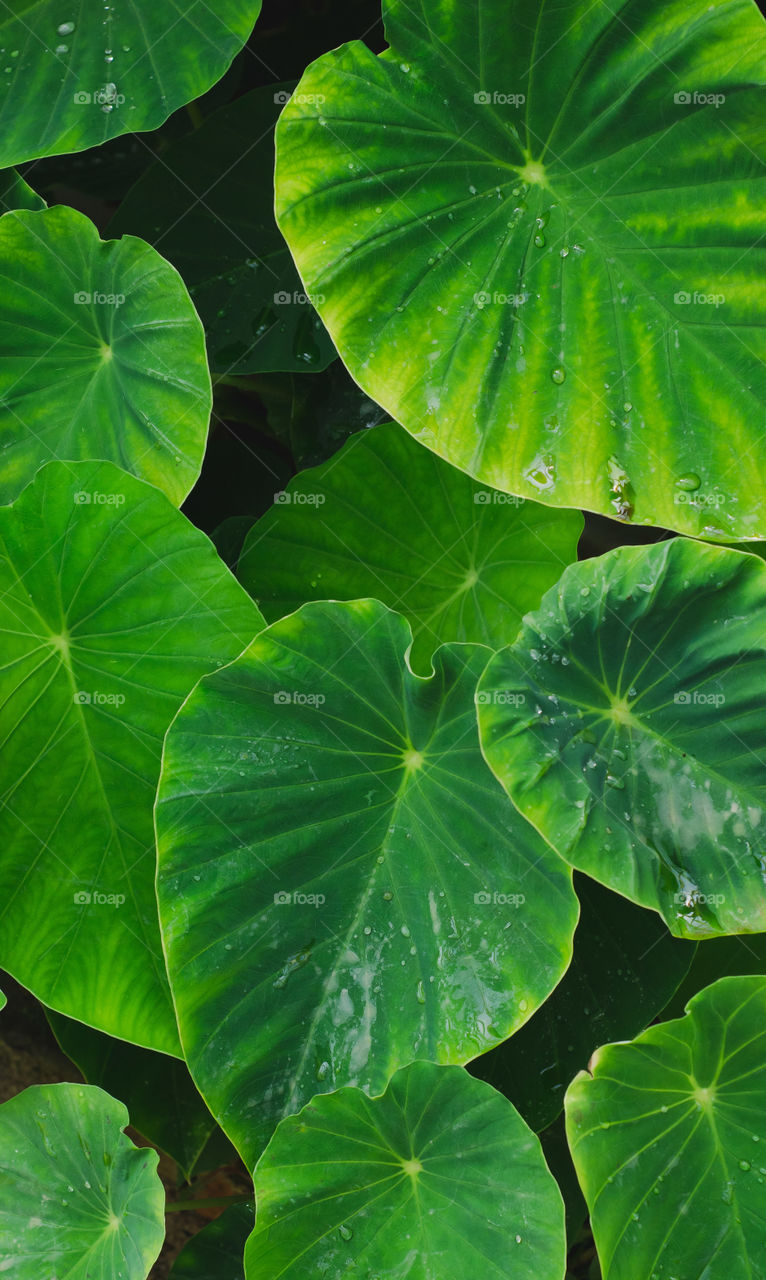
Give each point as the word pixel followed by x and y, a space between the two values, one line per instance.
pixel 73 76
pixel 343 885
pixel 103 355
pixel 111 607
pixel 77 1199
pixel 387 518
pixel 438 1177
pixel 625 723
pixel 538 234
pixel 668 1135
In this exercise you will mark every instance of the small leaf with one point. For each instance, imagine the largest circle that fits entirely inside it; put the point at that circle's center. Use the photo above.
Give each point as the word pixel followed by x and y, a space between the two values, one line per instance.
pixel 668 1135
pixel 438 1177
pixel 103 355
pixel 77 1199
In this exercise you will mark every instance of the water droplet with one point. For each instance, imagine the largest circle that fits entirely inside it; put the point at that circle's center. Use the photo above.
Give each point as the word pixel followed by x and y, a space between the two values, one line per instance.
pixel 564 253
pixel 323 1070
pixel 65 28
pixel 744 1166
pixel 420 994
pixel 539 241
pixel 345 1232
pixel 387 895
pixel 689 481
pixel 558 375
pixel 627 406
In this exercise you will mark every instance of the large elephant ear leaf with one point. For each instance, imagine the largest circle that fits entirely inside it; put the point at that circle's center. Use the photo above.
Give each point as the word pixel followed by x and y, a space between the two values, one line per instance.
pixel 387 518
pixel 668 1136
pixel 77 1198
pixel 103 355
pixel 75 76
pixel 111 607
pixel 376 896
pixel 540 233
pixel 438 1177
pixel 625 724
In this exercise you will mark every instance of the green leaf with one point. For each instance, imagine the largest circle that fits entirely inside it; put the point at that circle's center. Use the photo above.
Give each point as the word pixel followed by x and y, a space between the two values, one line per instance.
pixel 624 724
pixel 217 1252
pixel 111 607
pixel 73 79
pixel 438 1177
pixel 104 355
pixel 3 1000
pixel 15 193
pixel 539 255
pixel 389 519
pixel 667 1135
pixel 624 968
pixel 208 205
pixel 77 1199
pixel 158 1091
pixel 343 885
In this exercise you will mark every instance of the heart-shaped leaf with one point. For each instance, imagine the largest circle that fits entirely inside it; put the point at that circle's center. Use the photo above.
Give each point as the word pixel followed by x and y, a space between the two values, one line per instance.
pixel 77 1199
pixel 624 968
pixel 208 207
pixel 388 518
pixel 103 355
pixel 624 723
pixel 438 1177
pixel 73 79
pixel 668 1135
pixel 343 885
pixel 111 607
pixel 537 232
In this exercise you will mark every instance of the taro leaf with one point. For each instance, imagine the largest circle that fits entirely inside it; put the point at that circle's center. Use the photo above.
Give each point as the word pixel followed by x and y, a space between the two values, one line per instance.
pixel 111 607
pixel 103 355
pixel 77 1199
pixel 216 1252
pixel 343 885
pixel 534 228
pixel 625 724
pixel 15 193
pixel 624 968
pixel 719 958
pixel 158 1091
pixel 208 206
pixel 387 518
pixel 667 1136
pixel 3 1000
pixel 438 1177
pixel 74 79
